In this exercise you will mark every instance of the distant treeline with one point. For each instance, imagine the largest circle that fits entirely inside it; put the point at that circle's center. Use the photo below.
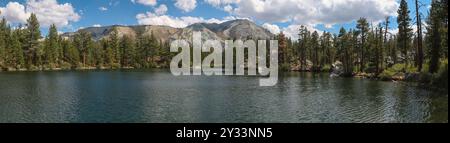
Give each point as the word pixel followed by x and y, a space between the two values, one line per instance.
pixel 22 48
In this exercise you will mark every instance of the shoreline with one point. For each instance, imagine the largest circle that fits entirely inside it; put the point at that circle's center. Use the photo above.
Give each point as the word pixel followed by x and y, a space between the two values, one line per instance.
pixel 371 76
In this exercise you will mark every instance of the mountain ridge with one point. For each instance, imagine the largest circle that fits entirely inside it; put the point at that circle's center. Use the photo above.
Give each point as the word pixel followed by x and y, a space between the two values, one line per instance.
pixel 234 29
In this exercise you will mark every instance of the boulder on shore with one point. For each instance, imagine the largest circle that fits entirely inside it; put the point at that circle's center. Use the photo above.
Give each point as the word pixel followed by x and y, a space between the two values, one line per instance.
pixel 337 69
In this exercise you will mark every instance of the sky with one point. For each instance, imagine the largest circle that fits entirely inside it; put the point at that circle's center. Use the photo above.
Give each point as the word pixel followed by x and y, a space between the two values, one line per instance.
pixel 275 15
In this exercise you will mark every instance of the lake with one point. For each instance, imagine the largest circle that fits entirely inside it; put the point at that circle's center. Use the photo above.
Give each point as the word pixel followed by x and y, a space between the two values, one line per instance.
pixel 155 96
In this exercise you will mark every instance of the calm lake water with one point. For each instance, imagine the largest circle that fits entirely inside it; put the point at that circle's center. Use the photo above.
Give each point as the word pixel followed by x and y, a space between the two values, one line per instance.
pixel 159 97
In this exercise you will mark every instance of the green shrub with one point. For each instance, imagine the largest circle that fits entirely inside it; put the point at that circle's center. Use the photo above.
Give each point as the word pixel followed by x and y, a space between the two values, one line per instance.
pixel 326 68
pixel 371 68
pixel 425 67
pixel 115 66
pixel 386 75
pixel 401 68
pixel 137 65
pixel 19 67
pixel 440 79
pixel 33 68
pixel 396 70
pixel 66 66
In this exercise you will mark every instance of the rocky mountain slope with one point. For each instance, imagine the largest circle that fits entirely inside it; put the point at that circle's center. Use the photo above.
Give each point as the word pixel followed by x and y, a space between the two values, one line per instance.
pixel 236 29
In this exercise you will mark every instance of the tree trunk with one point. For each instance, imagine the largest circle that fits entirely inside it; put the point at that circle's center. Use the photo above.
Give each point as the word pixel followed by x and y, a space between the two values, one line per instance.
pixel 361 68
pixel 419 39
pixel 385 37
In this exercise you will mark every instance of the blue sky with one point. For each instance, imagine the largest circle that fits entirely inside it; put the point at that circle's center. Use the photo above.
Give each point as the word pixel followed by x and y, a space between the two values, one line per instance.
pixel 321 15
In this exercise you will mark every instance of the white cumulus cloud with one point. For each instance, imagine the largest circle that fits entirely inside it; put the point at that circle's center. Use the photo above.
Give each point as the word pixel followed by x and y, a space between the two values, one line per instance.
pixel 145 2
pixel 102 8
pixel 47 11
pixel 218 3
pixel 228 8
pixel 274 29
pixel 186 5
pixel 161 10
pixel 309 12
pixel 14 12
pixel 150 18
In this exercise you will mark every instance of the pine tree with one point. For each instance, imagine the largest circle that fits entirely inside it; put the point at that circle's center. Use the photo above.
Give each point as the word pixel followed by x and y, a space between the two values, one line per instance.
pixel 108 52
pixel 164 53
pixel 315 48
pixel 40 55
pixel 385 40
pixel 73 54
pixel 92 55
pixel 33 34
pixel 17 59
pixel 64 49
pixel 52 46
pixel 283 49
pixel 128 51
pixel 378 48
pixel 404 30
pixel 325 49
pixel 434 35
pixel 420 54
pixel 3 42
pixel 394 50
pixel 370 50
pixel 354 47
pixel 328 57
pixel 144 47
pixel 363 29
pixel 303 42
pixel 103 45
pixel 336 47
pixel 83 42
pixel 381 49
pixel 114 45
pixel 152 49
pixel 140 50
pixel 60 51
pixel 344 51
